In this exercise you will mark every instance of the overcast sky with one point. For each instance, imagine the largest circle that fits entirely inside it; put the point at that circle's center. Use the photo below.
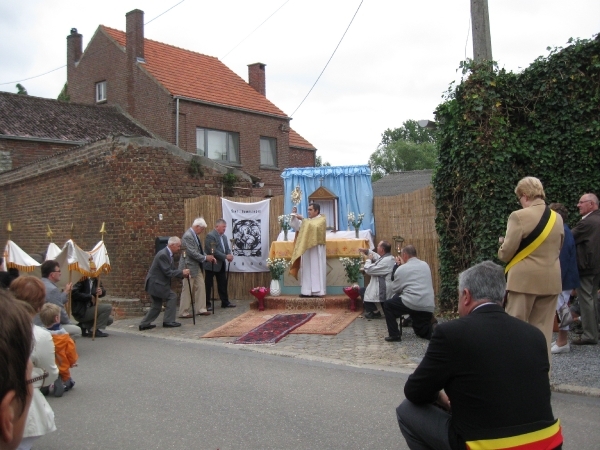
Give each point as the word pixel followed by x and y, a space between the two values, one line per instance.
pixel 395 62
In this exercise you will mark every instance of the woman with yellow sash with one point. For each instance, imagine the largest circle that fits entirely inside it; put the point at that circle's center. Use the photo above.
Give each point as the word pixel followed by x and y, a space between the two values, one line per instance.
pixel 530 247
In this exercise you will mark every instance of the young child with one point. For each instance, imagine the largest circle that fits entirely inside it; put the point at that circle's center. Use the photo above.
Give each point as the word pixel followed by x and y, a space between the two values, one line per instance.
pixel 66 353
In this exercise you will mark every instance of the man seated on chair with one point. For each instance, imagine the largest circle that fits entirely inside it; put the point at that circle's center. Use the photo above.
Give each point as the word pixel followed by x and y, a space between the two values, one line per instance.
pixel 379 267
pixel 484 380
pixel 413 294
pixel 309 254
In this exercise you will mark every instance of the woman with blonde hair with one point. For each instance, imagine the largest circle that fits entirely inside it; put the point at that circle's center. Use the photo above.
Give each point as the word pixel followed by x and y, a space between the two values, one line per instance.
pixel 531 247
pixel 40 419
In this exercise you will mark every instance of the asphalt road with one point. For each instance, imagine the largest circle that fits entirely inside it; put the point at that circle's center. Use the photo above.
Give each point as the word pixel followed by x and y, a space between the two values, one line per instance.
pixel 137 392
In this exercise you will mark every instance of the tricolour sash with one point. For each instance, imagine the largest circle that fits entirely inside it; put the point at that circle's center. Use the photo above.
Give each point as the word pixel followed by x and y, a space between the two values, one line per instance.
pixel 535 238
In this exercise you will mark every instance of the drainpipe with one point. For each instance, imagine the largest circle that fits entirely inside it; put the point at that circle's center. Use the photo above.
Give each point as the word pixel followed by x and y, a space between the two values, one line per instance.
pixel 177 124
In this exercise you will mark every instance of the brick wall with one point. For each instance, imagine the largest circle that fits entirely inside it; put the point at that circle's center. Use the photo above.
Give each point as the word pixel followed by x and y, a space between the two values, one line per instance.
pixel 21 152
pixel 124 182
pixel 302 157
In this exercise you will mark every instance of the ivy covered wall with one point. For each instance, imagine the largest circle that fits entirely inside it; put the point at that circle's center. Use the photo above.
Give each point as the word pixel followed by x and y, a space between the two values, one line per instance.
pixel 496 127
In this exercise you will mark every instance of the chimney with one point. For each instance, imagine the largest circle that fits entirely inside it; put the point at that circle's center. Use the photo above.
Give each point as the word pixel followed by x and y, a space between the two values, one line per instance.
pixel 135 35
pixel 74 47
pixel 256 77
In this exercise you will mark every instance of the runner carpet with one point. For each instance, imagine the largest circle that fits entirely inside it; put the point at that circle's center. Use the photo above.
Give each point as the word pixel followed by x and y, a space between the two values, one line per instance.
pixel 274 329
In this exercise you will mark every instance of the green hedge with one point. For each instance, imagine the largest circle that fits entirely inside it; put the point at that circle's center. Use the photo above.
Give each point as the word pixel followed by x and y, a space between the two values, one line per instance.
pixel 496 127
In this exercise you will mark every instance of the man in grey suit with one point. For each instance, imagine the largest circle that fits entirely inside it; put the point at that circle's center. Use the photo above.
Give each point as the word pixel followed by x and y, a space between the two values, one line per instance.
pixel 193 258
pixel 216 245
pixel 158 285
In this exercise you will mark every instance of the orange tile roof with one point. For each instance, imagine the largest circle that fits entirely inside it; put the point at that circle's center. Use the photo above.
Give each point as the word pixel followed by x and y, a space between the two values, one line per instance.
pixel 197 76
pixel 298 141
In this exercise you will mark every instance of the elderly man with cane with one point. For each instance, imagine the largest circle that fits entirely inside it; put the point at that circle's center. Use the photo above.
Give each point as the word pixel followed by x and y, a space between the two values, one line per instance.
pixel 193 258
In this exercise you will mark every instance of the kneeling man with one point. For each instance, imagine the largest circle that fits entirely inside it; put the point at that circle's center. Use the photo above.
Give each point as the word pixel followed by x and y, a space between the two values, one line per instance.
pixel 490 370
pixel 413 295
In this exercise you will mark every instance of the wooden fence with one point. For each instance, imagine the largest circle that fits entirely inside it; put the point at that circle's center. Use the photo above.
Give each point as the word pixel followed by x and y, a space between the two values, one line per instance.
pixel 410 215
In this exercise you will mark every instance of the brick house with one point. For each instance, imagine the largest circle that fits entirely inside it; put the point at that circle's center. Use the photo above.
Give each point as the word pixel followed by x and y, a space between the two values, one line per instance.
pixel 32 127
pixel 188 99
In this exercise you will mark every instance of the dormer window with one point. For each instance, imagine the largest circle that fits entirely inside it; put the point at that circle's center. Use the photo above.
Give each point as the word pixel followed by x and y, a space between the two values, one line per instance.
pixel 101 91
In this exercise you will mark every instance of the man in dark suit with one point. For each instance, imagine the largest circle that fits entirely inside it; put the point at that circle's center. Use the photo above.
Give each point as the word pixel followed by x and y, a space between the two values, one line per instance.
pixel 489 369
pixel 158 285
pixel 216 244
pixel 587 242
pixel 84 296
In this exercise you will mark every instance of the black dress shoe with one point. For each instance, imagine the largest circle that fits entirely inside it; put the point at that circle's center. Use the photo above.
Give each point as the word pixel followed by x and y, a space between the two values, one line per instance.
pixel 99 333
pixel 171 324
pixel 84 330
pixel 228 305
pixel 147 327
pixel 393 338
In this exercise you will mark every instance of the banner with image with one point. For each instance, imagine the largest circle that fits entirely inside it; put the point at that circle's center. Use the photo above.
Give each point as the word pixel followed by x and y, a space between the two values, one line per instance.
pixel 248 234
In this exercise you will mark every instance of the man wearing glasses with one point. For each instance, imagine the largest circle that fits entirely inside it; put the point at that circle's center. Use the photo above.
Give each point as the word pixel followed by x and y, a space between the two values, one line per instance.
pixel 50 276
pixel 587 241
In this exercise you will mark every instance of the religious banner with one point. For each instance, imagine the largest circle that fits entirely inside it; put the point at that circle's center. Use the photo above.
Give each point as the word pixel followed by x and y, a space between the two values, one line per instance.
pixel 248 233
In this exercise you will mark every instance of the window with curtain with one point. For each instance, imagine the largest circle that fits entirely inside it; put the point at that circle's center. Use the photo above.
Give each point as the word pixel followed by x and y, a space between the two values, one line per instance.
pixel 268 151
pixel 218 145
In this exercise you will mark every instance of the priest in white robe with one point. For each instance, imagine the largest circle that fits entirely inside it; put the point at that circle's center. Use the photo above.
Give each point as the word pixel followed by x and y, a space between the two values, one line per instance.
pixel 309 253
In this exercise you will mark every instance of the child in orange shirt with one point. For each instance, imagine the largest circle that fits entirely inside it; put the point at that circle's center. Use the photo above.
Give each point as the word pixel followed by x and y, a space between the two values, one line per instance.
pixel 66 353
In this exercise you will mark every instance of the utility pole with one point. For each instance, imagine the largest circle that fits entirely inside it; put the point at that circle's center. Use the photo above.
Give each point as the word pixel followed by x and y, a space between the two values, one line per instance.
pixel 482 40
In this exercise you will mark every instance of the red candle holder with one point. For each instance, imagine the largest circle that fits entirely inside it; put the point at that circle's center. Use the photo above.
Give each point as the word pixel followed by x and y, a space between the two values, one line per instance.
pixel 260 293
pixel 352 292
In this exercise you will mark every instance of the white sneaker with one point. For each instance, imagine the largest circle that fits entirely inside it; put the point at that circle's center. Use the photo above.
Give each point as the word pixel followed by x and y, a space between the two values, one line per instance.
pixel 564 349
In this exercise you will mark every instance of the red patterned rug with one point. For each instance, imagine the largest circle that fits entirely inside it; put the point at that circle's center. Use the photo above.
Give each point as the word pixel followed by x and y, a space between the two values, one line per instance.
pixel 274 329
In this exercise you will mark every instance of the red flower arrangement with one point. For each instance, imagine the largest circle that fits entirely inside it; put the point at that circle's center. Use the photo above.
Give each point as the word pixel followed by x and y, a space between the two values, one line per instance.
pixel 260 293
pixel 353 292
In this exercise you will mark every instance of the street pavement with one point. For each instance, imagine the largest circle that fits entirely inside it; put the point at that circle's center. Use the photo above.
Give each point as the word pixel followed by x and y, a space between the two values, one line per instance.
pixel 362 344
pixel 168 389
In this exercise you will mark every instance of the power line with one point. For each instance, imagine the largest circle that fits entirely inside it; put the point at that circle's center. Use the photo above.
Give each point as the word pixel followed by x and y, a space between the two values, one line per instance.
pixel 262 23
pixel 336 47
pixel 64 65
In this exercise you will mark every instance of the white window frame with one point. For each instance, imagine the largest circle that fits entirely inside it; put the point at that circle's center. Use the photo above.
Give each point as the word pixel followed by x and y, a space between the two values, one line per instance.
pixel 268 151
pixel 231 150
pixel 101 91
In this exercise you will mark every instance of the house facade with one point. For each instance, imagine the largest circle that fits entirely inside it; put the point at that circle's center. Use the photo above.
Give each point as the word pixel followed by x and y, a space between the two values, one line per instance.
pixel 188 99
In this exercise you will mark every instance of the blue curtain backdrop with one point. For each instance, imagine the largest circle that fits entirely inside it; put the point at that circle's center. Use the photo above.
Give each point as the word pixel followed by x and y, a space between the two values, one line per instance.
pixel 352 184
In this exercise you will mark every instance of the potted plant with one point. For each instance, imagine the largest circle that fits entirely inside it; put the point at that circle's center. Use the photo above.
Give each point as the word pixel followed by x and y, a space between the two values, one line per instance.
pixel 277 268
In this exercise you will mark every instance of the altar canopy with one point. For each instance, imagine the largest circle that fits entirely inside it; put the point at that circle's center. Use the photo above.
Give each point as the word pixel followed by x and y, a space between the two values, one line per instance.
pixel 352 184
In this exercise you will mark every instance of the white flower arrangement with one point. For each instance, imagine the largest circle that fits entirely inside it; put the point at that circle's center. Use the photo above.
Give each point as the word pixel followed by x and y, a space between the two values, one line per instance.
pixel 354 221
pixel 277 267
pixel 284 221
pixel 352 268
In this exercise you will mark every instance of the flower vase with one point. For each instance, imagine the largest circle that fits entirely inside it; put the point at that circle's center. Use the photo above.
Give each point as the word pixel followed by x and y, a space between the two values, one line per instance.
pixel 260 294
pixel 356 233
pixel 285 232
pixel 275 289
pixel 352 292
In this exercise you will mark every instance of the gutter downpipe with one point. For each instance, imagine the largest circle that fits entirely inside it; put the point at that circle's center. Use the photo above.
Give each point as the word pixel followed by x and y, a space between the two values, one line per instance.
pixel 177 124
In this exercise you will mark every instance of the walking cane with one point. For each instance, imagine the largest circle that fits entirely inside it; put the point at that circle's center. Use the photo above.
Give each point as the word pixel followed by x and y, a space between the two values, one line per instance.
pixel 212 277
pixel 96 308
pixel 190 286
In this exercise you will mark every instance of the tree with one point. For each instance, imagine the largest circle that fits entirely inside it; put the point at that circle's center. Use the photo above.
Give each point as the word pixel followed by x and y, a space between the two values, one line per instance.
pixel 319 162
pixel 409 147
pixel 64 95
pixel 21 89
